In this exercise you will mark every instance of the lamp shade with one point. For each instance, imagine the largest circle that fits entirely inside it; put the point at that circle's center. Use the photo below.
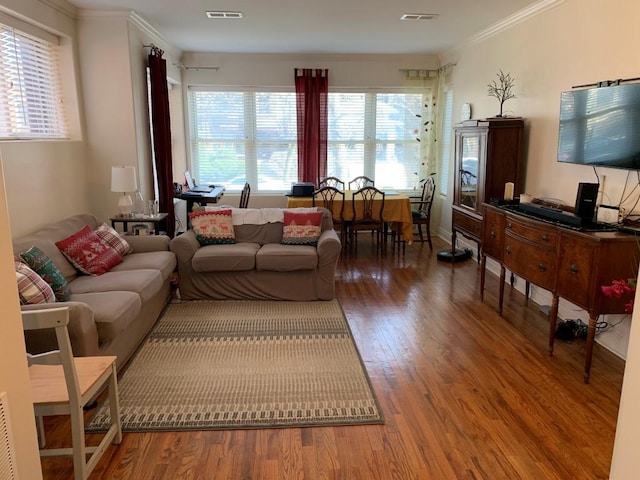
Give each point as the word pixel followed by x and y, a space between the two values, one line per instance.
pixel 123 179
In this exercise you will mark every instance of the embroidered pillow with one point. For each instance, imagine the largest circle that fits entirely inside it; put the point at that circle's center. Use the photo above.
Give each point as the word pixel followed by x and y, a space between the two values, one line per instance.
pixel 213 228
pixel 301 228
pixel 88 252
pixel 112 238
pixel 32 288
pixel 44 266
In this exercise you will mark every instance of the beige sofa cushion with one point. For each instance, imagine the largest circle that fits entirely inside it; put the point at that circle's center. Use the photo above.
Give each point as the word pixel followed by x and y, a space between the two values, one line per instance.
pixel 164 261
pixel 286 258
pixel 225 258
pixel 145 283
pixel 113 312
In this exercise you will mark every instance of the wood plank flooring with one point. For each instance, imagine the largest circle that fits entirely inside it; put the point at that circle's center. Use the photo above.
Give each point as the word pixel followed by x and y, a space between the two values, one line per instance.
pixel 466 394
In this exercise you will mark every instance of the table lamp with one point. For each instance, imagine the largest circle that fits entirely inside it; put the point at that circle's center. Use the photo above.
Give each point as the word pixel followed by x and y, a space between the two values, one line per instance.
pixel 123 180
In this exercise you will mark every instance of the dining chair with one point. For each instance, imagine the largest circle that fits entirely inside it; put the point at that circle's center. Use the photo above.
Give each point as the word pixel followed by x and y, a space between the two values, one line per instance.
pixel 63 385
pixel 326 197
pixel 360 182
pixel 244 196
pixel 331 182
pixel 367 216
pixel 422 214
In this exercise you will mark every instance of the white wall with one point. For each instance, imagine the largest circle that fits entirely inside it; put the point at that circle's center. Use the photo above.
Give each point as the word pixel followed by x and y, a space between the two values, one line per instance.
pixel 46 180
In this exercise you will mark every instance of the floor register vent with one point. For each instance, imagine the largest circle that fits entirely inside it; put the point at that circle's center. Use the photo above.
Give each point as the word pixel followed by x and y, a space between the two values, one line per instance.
pixel 7 450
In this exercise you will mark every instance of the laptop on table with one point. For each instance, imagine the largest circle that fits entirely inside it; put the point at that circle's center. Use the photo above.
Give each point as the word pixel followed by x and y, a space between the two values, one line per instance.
pixel 192 185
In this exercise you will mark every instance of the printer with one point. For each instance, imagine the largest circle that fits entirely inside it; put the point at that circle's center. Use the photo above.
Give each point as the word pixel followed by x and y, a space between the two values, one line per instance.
pixel 302 189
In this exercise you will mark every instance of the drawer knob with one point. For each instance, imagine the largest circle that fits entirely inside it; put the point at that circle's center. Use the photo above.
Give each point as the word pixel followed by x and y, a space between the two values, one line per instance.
pixel 492 234
pixel 542 267
pixel 509 225
pixel 508 249
pixel 545 238
pixel 573 268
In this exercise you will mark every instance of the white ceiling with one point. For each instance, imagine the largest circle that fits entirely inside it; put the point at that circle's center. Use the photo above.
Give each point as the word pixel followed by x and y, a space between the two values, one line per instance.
pixel 323 26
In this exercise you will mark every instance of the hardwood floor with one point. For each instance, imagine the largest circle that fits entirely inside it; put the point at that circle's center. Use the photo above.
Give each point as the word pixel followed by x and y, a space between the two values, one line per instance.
pixel 466 394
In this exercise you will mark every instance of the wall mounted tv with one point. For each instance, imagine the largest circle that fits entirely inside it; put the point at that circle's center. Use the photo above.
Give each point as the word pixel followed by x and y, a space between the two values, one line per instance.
pixel 601 126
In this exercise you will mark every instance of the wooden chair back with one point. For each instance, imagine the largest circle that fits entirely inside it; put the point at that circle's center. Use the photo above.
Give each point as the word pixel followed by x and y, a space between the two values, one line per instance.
pixel 360 182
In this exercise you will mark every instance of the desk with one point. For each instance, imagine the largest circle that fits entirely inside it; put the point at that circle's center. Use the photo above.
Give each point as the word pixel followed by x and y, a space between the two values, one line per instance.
pixel 158 221
pixel 571 264
pixel 397 208
pixel 213 196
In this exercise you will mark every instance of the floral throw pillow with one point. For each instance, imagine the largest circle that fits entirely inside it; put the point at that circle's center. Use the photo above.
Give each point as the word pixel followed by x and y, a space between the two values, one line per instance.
pixel 44 266
pixel 213 228
pixel 112 238
pixel 89 253
pixel 32 288
pixel 301 228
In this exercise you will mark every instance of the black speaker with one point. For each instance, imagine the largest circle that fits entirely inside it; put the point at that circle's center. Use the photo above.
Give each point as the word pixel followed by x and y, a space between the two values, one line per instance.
pixel 586 200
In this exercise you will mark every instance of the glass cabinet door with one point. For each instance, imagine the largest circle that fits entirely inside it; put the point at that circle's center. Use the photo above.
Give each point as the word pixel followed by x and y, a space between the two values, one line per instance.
pixel 468 174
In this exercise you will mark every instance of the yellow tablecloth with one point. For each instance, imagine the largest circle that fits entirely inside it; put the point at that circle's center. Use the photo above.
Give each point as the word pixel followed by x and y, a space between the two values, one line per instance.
pixel 397 208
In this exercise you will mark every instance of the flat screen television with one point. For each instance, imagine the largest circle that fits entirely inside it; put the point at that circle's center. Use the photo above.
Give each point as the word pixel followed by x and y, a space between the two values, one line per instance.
pixel 601 126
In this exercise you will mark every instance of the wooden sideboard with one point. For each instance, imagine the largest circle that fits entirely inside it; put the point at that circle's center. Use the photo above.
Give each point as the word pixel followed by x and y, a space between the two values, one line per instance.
pixel 570 263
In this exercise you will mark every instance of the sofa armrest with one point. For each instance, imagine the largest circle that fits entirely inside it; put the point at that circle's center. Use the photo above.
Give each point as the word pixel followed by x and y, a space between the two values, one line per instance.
pixel 185 246
pixel 83 332
pixel 329 244
pixel 148 243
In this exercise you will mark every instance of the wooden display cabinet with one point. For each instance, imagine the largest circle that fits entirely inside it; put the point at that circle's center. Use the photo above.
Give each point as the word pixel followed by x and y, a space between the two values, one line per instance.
pixel 488 154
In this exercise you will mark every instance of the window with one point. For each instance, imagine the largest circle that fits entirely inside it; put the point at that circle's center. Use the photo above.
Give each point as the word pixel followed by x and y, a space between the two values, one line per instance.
pixel 30 100
pixel 375 134
pixel 239 136
pixel 244 136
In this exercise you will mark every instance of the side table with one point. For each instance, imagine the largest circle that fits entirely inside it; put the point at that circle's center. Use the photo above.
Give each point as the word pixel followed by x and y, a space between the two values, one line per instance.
pixel 159 221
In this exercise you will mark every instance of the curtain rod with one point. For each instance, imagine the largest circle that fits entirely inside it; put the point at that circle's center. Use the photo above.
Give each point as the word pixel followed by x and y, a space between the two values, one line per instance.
pixel 186 67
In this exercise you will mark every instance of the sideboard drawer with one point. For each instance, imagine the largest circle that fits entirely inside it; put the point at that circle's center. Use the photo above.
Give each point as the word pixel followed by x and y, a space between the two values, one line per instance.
pixel 537 233
pixel 528 260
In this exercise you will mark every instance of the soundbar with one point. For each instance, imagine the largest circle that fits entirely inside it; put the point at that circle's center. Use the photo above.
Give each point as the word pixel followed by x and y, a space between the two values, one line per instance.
pixel 566 218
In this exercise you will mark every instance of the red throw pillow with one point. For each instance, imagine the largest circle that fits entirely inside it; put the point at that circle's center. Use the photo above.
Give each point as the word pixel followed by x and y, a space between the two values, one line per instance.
pixel 89 253
pixel 213 227
pixel 301 228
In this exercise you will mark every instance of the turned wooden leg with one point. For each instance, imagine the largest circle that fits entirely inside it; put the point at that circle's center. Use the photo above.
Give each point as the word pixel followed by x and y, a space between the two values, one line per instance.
pixel 553 319
pixel 591 335
pixel 483 266
pixel 502 274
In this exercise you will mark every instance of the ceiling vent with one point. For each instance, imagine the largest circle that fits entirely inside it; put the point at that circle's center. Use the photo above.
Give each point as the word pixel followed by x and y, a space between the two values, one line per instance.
pixel 419 16
pixel 225 15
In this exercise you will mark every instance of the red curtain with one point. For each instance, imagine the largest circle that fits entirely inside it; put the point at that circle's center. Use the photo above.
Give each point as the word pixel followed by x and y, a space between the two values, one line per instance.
pixel 312 92
pixel 161 124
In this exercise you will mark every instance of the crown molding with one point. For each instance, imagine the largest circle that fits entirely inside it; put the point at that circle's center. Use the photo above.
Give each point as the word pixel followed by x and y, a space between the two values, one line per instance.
pixel 505 24
pixel 518 17
pixel 62 6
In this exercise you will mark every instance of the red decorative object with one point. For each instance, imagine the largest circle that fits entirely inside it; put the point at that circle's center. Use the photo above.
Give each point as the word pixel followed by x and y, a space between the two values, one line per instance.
pixel 89 253
pixel 620 289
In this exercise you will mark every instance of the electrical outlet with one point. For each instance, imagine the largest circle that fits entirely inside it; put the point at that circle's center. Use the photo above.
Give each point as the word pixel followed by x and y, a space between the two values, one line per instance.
pixel 621 214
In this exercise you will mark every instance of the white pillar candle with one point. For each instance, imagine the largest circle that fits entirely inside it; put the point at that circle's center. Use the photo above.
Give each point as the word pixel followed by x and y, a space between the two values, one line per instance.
pixel 508 191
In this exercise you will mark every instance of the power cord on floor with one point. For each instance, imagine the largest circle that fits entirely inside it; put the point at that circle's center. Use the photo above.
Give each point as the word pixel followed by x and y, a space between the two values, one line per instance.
pixel 570 329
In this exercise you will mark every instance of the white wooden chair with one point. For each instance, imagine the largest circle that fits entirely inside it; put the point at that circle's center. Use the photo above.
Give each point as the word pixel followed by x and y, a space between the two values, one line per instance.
pixel 63 385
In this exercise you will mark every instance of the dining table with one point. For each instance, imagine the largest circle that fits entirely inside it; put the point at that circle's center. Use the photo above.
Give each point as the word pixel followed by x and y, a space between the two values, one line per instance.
pixel 397 209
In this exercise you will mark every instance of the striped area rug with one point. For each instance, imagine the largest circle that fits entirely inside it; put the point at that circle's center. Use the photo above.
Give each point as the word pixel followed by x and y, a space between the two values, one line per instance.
pixel 245 364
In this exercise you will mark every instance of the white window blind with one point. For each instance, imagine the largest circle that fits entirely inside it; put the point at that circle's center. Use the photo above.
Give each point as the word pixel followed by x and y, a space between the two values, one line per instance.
pixel 447 135
pixel 30 96
pixel 375 134
pixel 240 136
